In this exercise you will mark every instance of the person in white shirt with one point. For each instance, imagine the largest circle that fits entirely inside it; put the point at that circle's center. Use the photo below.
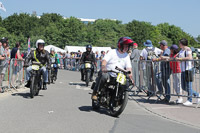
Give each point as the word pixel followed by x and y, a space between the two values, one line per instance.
pixel 184 55
pixel 149 68
pixel 116 57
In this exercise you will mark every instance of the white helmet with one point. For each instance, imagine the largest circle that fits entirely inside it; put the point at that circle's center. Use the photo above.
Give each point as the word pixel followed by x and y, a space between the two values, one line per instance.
pixel 52 49
pixel 39 41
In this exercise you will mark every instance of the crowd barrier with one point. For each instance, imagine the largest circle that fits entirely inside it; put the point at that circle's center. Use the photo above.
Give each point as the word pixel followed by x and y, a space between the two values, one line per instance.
pixel 153 78
pixel 12 74
pixel 158 79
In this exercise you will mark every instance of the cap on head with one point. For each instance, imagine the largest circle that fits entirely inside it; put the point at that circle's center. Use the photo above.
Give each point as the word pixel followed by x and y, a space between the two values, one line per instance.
pixel 174 47
pixel 148 43
pixel 163 42
pixel 135 44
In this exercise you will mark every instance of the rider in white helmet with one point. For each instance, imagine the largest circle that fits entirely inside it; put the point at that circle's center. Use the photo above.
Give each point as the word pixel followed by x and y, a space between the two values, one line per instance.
pixel 42 56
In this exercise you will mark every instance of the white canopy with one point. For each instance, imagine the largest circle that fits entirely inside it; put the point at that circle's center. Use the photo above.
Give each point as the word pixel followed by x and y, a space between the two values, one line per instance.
pixel 57 49
pixel 83 49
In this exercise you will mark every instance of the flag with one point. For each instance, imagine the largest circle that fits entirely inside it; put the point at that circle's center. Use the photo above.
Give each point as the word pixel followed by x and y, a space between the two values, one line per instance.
pixel 2 7
pixel 29 44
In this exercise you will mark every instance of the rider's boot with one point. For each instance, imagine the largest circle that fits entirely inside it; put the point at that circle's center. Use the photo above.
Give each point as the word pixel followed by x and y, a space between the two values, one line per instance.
pixel 94 93
pixel 28 84
pixel 44 86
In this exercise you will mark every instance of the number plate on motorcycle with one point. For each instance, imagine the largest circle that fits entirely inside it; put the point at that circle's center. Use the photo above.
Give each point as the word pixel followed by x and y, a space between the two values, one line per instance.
pixel 87 65
pixel 121 78
pixel 35 67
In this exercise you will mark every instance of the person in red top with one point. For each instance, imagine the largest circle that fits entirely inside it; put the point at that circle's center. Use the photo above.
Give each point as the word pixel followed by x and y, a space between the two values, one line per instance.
pixel 176 71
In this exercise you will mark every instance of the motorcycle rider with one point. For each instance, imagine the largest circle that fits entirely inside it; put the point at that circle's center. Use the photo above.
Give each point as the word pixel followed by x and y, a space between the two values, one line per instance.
pixel 54 60
pixel 116 57
pixel 42 56
pixel 88 56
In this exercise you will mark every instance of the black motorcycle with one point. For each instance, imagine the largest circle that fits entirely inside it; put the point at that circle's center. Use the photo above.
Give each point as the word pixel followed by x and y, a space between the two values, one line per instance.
pixel 36 79
pixel 87 72
pixel 114 95
pixel 52 74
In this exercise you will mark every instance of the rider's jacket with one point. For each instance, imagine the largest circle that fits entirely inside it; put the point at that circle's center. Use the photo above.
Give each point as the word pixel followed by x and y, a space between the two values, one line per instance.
pixel 88 56
pixel 53 58
pixel 42 57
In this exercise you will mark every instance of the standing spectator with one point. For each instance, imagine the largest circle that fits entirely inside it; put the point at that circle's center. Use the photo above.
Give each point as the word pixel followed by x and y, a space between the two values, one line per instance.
pixel 16 60
pixel 184 55
pixel 150 70
pixel 97 55
pixel 176 71
pixel 67 60
pixel 135 57
pixel 78 58
pixel 3 62
pixel 165 71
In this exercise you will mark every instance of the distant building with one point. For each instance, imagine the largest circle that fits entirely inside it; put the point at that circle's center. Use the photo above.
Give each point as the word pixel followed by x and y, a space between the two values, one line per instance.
pixel 86 21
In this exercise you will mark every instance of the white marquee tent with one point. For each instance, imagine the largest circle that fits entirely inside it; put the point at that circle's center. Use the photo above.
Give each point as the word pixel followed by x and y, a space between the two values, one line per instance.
pixel 57 49
pixel 83 49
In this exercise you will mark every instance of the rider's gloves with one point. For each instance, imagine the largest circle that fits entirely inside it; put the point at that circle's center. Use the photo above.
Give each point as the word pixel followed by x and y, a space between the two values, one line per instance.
pixel 26 65
pixel 103 69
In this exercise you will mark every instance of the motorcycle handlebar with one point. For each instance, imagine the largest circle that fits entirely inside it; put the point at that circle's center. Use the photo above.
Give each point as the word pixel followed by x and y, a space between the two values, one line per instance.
pixel 36 63
pixel 119 69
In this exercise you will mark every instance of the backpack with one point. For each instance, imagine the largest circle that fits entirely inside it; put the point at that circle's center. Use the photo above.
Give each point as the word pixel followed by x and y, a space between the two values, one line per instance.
pixel 151 54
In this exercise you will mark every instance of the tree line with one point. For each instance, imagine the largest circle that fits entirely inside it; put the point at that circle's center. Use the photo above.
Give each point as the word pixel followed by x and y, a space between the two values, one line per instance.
pixel 56 30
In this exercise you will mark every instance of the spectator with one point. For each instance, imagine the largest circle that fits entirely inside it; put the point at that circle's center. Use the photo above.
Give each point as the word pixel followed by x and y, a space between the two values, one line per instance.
pixel 67 60
pixel 150 70
pixel 102 54
pixel 3 62
pixel 165 71
pixel 17 65
pixel 184 55
pixel 176 71
pixel 135 56
pixel 97 55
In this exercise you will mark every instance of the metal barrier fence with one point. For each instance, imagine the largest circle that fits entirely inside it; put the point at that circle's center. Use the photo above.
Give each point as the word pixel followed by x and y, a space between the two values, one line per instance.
pixel 17 73
pixel 12 74
pixel 165 78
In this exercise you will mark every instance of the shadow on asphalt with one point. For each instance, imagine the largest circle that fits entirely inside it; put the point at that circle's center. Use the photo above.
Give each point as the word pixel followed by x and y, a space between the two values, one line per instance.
pixel 89 109
pixel 143 99
pixel 25 95
pixel 78 83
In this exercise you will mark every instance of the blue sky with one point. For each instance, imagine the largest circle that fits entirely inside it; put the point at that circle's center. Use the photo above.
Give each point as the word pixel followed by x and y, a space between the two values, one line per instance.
pixel 182 13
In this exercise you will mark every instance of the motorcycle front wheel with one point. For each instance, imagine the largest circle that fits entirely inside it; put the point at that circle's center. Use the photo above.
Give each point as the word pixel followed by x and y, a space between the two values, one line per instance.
pixel 33 87
pixel 95 105
pixel 87 78
pixel 118 106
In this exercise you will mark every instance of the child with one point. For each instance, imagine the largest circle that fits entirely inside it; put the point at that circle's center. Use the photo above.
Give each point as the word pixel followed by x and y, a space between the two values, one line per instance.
pixel 176 72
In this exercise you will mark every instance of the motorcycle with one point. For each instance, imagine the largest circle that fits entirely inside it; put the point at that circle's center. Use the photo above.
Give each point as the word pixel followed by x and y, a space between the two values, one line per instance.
pixel 87 72
pixel 53 73
pixel 36 79
pixel 114 94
